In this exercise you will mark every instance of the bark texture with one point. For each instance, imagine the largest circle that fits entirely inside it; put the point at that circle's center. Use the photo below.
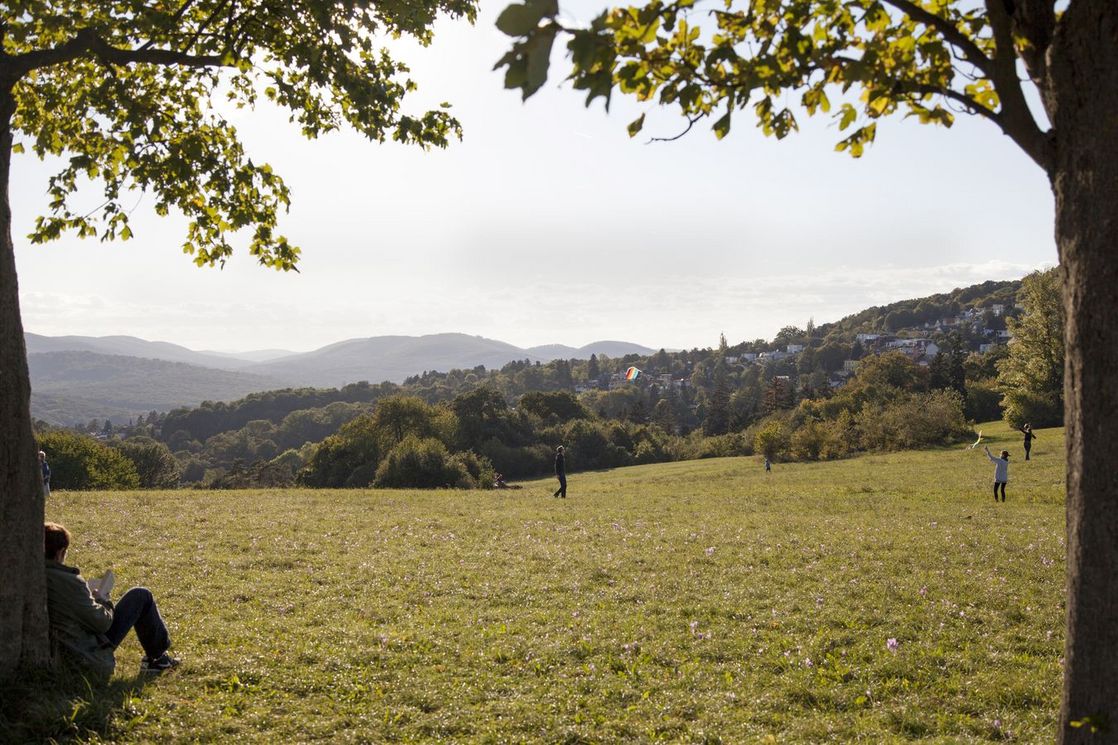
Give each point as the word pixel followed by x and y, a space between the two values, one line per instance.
pixel 1083 101
pixel 23 609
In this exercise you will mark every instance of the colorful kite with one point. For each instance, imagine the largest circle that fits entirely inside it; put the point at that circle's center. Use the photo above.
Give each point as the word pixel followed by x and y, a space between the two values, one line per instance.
pixel 632 373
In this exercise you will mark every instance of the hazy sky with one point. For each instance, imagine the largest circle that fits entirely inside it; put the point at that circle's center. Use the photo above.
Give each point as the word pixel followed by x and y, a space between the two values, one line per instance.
pixel 547 224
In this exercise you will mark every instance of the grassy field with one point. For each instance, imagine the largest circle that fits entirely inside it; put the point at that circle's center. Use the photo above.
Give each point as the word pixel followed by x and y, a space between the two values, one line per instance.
pixel 878 599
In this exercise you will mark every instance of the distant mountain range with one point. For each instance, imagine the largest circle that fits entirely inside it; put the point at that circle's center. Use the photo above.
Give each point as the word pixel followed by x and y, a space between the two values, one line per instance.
pixel 78 378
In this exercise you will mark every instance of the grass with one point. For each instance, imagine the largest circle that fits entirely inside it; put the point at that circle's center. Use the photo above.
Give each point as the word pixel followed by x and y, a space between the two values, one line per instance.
pixel 701 601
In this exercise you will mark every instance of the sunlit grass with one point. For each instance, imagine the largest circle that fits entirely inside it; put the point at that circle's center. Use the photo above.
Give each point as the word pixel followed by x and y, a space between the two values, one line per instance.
pixel 702 601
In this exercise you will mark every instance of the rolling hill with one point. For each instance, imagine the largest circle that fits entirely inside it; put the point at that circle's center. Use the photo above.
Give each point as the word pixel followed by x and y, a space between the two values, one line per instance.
pixel 74 387
pixel 78 378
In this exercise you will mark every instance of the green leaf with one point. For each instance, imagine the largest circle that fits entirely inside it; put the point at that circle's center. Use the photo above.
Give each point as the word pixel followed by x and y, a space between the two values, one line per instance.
pixel 722 126
pixel 539 58
pixel 636 126
pixel 518 20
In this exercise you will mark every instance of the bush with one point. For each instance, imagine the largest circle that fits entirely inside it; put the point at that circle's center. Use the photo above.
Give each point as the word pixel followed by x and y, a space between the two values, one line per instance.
pixel 1037 409
pixel 155 465
pixel 517 462
pixel 984 401
pixel 421 463
pixel 771 439
pixel 347 459
pixel 80 462
pixel 917 420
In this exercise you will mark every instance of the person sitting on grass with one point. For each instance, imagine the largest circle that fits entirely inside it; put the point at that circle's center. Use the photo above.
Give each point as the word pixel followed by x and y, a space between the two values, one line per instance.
pixel 89 628
pixel 1001 471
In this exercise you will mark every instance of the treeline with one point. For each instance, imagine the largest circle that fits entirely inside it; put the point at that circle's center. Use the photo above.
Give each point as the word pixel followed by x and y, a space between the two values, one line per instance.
pixel 460 427
pixel 912 313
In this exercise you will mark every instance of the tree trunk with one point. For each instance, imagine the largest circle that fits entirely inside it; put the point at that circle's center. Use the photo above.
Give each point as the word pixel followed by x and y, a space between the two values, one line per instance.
pixel 23 609
pixel 1084 91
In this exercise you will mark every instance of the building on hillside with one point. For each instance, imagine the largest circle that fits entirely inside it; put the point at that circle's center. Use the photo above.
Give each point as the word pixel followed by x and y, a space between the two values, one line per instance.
pixel 794 348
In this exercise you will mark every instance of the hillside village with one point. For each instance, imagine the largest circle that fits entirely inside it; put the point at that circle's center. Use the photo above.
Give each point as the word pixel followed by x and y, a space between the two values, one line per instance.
pixel 981 329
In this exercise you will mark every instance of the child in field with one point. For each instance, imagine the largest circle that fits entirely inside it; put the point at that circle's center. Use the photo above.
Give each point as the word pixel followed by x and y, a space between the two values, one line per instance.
pixel 768 466
pixel 1029 437
pixel 1001 471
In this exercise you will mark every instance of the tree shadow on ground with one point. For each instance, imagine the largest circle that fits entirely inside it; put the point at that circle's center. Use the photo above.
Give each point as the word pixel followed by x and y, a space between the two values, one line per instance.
pixel 64 704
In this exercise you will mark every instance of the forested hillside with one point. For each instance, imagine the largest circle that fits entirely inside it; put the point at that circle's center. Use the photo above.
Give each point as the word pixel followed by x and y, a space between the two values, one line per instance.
pixel 814 393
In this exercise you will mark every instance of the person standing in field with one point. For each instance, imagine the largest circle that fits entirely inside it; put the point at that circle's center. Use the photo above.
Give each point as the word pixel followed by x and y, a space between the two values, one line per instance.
pixel 560 473
pixel 1029 437
pixel 46 473
pixel 1001 471
pixel 768 465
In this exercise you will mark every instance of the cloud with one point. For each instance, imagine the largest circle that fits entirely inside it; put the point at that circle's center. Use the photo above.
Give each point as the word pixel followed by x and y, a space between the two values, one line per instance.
pixel 669 311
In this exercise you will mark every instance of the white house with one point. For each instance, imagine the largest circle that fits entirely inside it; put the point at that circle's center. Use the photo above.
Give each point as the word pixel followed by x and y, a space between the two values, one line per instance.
pixel 794 348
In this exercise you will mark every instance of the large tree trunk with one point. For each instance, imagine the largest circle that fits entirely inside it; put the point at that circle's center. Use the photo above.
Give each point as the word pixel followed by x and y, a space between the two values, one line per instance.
pixel 1084 91
pixel 23 612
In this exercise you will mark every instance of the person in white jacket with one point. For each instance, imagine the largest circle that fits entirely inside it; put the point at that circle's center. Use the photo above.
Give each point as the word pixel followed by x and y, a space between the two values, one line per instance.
pixel 1001 471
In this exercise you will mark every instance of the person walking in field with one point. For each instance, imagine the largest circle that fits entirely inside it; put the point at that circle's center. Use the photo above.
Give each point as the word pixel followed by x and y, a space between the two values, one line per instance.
pixel 1029 437
pixel 1001 471
pixel 560 473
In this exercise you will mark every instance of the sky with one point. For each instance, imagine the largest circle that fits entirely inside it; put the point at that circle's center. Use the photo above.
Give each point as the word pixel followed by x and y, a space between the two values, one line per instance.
pixel 548 224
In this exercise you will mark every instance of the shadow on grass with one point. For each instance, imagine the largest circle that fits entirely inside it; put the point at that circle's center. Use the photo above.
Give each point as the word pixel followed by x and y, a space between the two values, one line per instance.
pixel 64 703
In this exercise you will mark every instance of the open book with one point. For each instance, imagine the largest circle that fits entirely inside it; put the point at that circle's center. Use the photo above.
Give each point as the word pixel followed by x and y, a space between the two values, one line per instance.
pixel 102 586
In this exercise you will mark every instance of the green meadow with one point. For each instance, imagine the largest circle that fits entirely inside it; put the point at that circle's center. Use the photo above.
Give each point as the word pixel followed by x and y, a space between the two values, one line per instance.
pixel 878 599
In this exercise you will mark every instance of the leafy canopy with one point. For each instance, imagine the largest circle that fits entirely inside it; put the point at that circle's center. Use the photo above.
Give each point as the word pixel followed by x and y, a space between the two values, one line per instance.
pixel 924 58
pixel 124 91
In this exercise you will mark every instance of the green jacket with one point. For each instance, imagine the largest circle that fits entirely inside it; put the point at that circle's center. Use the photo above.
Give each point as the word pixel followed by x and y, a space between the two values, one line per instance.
pixel 78 621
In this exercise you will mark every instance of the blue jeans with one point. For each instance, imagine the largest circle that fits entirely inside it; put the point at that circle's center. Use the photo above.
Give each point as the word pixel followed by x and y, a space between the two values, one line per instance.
pixel 137 610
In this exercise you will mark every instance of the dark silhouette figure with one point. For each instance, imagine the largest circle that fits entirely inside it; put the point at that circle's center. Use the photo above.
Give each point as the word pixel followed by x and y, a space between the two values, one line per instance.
pixel 1029 437
pixel 560 473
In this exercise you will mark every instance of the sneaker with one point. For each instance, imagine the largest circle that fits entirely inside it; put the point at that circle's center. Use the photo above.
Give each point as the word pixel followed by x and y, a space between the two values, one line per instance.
pixel 160 664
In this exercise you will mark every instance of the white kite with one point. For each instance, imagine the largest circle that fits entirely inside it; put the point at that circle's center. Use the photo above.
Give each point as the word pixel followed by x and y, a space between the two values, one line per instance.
pixel 972 447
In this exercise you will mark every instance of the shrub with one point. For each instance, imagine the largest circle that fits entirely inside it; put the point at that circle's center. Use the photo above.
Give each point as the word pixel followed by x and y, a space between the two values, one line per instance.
pixel 420 463
pixel 155 465
pixel 983 401
pixel 771 439
pixel 348 459
pixel 80 462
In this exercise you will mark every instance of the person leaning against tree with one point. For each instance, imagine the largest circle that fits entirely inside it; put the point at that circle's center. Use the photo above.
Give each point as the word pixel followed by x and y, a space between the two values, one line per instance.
pixel 560 473
pixel 89 628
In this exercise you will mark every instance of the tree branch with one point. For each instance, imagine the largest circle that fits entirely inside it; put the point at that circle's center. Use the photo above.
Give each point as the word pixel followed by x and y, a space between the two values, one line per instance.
pixel 1035 22
pixel 87 42
pixel 691 121
pixel 961 98
pixel 172 21
pixel 948 30
pixel 1017 119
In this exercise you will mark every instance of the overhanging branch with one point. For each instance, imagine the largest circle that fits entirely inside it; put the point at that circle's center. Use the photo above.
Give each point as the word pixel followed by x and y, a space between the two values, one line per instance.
pixel 951 33
pixel 87 42
pixel 1017 119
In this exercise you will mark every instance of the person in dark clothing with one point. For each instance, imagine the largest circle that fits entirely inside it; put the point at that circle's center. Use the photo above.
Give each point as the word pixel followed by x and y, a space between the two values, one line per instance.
pixel 1029 437
pixel 560 473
